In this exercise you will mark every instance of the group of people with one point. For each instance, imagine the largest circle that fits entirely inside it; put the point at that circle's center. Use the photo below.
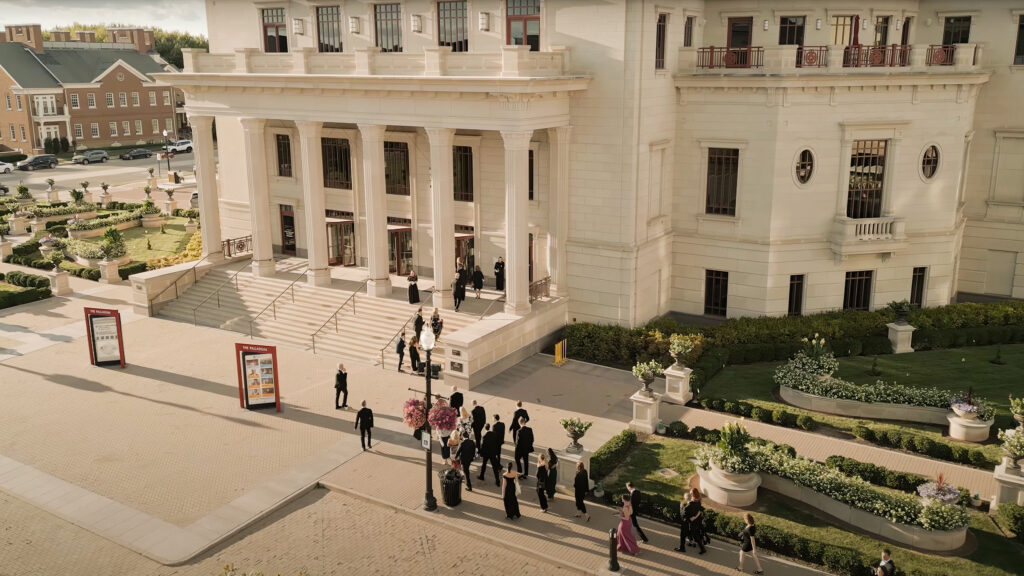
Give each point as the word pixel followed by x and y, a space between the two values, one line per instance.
pixel 463 278
pixel 413 346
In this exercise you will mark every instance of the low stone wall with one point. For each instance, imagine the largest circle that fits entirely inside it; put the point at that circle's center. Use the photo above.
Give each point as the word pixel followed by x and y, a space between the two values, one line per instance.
pixel 65 217
pixel 146 285
pixel 855 409
pixel 95 262
pixel 78 234
pixel 932 540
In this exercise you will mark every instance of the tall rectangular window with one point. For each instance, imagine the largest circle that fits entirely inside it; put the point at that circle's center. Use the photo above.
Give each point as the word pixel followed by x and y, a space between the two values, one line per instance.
pixel 956 30
pixel 126 127
pixel 275 32
pixel 867 179
pixel 531 179
pixel 917 281
pixel 857 293
pixel 112 128
pixel 328 28
pixel 74 101
pixel 24 136
pixel 90 99
pixel 453 25
pixel 284 155
pixel 110 99
pixel 796 295
pixel 660 35
pixel 167 97
pixel 7 97
pixel 17 100
pixel 138 127
pixel 94 130
pixel 123 99
pixel 1018 51
pixel 688 31
pixel 337 157
pixel 882 30
pixel 387 21
pixel 716 292
pixel 156 126
pixel 522 19
pixel 723 172
pixel 78 132
pixel 396 168
pixel 14 135
pixel 791 30
pixel 152 97
pixel 169 125
pixel 463 167
pixel 135 98
pixel 842 30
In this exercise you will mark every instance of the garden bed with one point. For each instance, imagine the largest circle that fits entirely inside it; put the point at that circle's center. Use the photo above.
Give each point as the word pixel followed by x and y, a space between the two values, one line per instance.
pixel 872 410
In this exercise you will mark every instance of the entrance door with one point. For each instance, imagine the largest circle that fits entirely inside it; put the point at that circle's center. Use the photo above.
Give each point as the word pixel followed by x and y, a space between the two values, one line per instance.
pixel 400 251
pixel 1000 270
pixel 341 244
pixel 464 249
pixel 739 39
pixel 287 230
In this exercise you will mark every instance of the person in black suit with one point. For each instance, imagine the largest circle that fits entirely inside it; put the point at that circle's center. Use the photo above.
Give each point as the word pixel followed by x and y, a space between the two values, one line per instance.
pixel 341 387
pixel 490 449
pixel 524 446
pixel 519 417
pixel 418 323
pixel 634 500
pixel 400 350
pixel 414 355
pixel 364 421
pixel 479 420
pixel 455 400
pixel 465 455
pixel 499 431
pixel 692 516
pixel 499 274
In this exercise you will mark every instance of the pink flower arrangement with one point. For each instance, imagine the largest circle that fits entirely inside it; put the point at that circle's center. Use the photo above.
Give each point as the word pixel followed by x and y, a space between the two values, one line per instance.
pixel 443 416
pixel 414 413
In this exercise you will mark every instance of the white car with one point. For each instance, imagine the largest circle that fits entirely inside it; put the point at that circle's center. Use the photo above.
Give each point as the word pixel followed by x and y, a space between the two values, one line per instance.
pixel 179 146
pixel 5 168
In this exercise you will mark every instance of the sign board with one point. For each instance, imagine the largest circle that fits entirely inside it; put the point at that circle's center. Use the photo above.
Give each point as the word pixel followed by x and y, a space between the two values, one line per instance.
pixel 258 385
pixel 425 441
pixel 103 331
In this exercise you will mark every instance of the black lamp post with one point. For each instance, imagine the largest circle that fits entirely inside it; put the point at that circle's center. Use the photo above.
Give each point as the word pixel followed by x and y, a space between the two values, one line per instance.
pixel 429 502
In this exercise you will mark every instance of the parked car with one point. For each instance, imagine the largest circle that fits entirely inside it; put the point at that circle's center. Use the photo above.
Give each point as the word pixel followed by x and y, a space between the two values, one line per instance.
pixel 135 154
pixel 179 146
pixel 90 156
pixel 36 162
pixel 5 168
pixel 4 190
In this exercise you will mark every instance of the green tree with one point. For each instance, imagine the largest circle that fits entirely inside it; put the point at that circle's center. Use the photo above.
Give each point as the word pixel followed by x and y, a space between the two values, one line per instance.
pixel 167 43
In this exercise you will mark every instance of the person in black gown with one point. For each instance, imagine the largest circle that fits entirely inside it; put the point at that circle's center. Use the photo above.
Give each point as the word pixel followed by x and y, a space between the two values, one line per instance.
pixel 478 281
pixel 414 291
pixel 509 494
pixel 499 274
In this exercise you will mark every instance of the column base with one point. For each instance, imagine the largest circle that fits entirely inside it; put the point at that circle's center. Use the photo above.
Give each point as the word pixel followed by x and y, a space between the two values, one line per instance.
pixel 521 309
pixel 645 412
pixel 379 288
pixel 263 268
pixel 321 277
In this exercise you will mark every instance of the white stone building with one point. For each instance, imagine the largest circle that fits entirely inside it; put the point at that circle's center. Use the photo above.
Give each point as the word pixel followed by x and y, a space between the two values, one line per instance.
pixel 722 157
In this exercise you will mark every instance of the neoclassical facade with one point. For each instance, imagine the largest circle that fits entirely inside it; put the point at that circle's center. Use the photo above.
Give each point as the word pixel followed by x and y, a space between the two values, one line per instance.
pixel 726 158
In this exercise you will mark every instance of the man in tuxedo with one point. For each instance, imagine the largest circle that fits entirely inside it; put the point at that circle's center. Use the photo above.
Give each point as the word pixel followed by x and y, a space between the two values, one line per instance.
pixel 499 431
pixel 465 455
pixel 634 500
pixel 400 350
pixel 364 421
pixel 886 567
pixel 455 400
pixel 519 414
pixel 499 274
pixel 490 450
pixel 479 420
pixel 524 446
pixel 341 387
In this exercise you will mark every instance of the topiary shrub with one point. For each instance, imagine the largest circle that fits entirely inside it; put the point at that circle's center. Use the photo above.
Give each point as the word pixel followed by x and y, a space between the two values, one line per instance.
pixel 608 456
pixel 806 422
pixel 761 415
pixel 784 418
pixel 1011 517
pixel 676 430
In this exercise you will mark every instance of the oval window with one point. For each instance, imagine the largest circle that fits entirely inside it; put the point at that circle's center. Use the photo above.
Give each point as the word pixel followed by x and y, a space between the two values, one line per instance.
pixel 930 161
pixel 804 166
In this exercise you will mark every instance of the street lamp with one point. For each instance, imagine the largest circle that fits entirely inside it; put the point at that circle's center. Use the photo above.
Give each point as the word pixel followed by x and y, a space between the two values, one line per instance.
pixel 429 502
pixel 167 153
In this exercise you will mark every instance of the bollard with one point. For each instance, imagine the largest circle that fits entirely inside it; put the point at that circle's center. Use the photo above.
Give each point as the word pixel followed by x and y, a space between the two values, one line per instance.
pixel 613 552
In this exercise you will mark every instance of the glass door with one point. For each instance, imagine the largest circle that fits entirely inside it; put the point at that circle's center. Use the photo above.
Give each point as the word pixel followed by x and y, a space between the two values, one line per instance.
pixel 464 250
pixel 287 230
pixel 348 244
pixel 400 251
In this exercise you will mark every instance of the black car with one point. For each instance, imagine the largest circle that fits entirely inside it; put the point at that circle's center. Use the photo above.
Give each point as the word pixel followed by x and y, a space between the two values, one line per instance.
pixel 40 161
pixel 136 154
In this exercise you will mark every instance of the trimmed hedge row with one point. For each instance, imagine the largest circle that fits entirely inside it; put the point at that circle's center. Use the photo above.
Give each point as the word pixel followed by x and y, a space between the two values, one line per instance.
pixel 881 476
pixel 911 442
pixel 978 336
pixel 133 268
pixel 16 278
pixel 80 271
pixel 1011 516
pixel 33 288
pixel 609 455
pixel 114 205
pixel 747 410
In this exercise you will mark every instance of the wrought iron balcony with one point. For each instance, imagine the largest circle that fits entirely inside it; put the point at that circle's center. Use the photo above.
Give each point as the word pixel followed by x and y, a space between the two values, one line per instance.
pixel 718 57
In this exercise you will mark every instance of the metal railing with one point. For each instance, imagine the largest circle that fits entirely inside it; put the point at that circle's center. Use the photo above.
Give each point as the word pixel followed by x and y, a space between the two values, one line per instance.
pixel 272 305
pixel 540 289
pixel 174 283
pixel 351 298
pixel 402 329
pixel 718 57
pixel 940 54
pixel 812 57
pixel 235 246
pixel 491 305
pixel 892 55
pixel 216 292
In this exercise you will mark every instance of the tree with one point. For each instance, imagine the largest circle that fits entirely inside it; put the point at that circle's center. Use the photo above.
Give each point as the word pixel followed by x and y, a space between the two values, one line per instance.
pixel 64 144
pixel 48 145
pixel 167 43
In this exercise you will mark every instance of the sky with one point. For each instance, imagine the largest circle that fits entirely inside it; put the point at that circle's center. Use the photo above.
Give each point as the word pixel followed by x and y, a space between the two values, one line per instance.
pixel 183 15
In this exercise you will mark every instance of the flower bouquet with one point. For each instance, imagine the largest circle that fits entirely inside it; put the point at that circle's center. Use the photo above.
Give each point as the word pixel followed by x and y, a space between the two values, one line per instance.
pixel 443 417
pixel 1017 408
pixel 575 429
pixel 414 413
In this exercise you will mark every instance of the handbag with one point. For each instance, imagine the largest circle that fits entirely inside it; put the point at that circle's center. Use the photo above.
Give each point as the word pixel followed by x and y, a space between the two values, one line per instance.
pixel 519 488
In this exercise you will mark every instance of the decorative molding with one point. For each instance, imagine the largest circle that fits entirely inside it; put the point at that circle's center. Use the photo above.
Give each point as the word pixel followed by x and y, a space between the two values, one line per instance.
pixel 513 102
pixel 724 15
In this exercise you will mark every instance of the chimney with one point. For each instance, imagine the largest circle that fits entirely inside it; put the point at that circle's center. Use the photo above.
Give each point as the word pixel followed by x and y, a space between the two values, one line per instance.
pixel 30 35
pixel 141 40
pixel 85 36
pixel 60 36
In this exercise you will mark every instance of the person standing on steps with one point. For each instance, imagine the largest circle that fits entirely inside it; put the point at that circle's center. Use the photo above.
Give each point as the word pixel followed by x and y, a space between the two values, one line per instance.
pixel 418 323
pixel 542 478
pixel 400 350
pixel 519 414
pixel 524 447
pixel 635 497
pixel 459 284
pixel 580 487
pixel 511 486
pixel 436 324
pixel 479 420
pixel 364 421
pixel 414 356
pixel 465 454
pixel 499 275
pixel 341 387
pixel 478 281
pixel 490 448
pixel 414 291
pixel 455 400
pixel 748 544
pixel 552 480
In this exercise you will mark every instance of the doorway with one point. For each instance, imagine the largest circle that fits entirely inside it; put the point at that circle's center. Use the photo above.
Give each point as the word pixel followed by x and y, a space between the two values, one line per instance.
pixel 465 246
pixel 287 230
pixel 399 246
pixel 341 243
pixel 739 39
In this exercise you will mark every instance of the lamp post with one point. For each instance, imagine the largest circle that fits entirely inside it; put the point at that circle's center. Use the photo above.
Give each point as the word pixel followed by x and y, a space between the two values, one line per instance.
pixel 167 153
pixel 429 502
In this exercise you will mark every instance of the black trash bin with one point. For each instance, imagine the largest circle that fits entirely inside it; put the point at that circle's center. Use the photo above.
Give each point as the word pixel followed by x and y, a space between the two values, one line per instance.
pixel 451 487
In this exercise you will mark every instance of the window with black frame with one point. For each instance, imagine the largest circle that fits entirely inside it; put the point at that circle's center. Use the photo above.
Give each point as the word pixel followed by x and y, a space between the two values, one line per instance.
pixel 453 25
pixel 796 295
pixel 723 172
pixel 328 24
pixel 1018 51
pixel 462 166
pixel 337 159
pixel 716 292
pixel 396 168
pixel 284 156
pixel 867 179
pixel 275 33
pixel 917 281
pixel 956 30
pixel 857 291
pixel 387 20
pixel 660 37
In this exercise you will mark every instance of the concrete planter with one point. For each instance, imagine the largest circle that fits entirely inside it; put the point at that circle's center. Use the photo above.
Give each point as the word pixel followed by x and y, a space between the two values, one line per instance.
pixel 855 409
pixel 59 284
pixel 99 231
pixel 727 488
pixel 89 214
pixel 152 220
pixel 191 227
pixel 95 262
pixel 969 429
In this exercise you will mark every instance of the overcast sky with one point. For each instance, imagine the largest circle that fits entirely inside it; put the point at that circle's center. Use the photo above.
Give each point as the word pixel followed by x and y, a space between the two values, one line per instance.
pixel 183 15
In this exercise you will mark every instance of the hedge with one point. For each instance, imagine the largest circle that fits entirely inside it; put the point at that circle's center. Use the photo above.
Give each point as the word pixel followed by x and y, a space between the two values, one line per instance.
pixel 1011 516
pixel 81 271
pixel 24 280
pixel 114 205
pixel 105 220
pixel 609 455
pixel 8 299
pixel 747 410
pixel 133 268
pixel 940 449
pixel 63 210
pixel 881 476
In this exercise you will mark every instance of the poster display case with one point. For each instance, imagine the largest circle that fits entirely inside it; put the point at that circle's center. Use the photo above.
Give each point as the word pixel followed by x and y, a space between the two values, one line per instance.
pixel 258 386
pixel 103 332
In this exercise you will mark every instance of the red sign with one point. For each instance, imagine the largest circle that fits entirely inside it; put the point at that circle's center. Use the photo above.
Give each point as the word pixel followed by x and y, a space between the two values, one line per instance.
pixel 257 376
pixel 103 330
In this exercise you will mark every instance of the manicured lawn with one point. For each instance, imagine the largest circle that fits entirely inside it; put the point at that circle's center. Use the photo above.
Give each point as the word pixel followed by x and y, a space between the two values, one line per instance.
pixel 5 287
pixel 171 242
pixel 642 467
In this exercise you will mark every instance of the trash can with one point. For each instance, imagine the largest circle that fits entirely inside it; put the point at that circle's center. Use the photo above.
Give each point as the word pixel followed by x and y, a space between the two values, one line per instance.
pixel 451 487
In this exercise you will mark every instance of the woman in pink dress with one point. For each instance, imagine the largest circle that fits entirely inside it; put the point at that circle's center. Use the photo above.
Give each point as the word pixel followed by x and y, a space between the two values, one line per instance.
pixel 627 543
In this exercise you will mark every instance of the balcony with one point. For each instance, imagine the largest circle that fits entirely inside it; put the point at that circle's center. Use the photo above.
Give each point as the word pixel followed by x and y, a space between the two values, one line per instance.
pixel 747 57
pixel 511 62
pixel 49 114
pixel 852 236
pixel 891 56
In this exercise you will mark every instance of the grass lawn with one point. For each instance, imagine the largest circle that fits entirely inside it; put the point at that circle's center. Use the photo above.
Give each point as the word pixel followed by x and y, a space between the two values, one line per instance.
pixel 995 555
pixel 5 287
pixel 172 242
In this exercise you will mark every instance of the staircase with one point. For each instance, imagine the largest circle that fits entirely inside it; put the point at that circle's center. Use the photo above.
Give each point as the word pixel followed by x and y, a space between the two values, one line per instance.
pixel 363 327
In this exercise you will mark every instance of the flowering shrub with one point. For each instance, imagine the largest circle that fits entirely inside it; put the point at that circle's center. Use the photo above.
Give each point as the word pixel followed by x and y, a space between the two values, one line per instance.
pixel 939 490
pixel 938 516
pixel 1016 406
pixel 969 404
pixel 414 413
pixel 83 249
pixel 44 211
pixel 442 416
pixel 95 223
pixel 682 346
pixel 1013 442
pixel 648 369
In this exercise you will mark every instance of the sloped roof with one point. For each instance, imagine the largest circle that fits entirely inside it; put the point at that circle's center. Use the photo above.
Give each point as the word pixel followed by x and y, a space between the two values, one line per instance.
pixel 81 66
pixel 22 65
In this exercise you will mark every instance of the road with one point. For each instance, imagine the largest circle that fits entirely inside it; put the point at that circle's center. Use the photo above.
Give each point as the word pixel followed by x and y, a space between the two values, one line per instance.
pixel 115 172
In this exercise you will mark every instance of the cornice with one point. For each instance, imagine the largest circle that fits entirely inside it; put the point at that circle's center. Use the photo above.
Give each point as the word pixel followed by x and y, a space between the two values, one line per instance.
pixel 830 80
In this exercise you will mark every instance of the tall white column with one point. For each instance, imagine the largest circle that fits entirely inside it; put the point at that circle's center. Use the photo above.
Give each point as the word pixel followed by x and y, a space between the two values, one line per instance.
pixel 314 198
pixel 206 183
pixel 442 215
pixel 558 215
pixel 259 196
pixel 517 178
pixel 845 152
pixel 372 136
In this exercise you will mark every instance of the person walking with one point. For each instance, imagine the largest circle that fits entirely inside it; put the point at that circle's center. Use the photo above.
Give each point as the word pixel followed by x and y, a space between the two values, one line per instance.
pixel 364 421
pixel 748 544
pixel 886 567
pixel 524 447
pixel 478 281
pixel 479 420
pixel 465 455
pixel 418 323
pixel 453 446
pixel 692 515
pixel 542 478
pixel 511 485
pixel 436 324
pixel 499 274
pixel 635 497
pixel 400 350
pixel 499 431
pixel 459 285
pixel 580 487
pixel 519 417
pixel 455 400
pixel 490 449
pixel 414 355
pixel 627 543
pixel 341 387
pixel 552 479
pixel 414 291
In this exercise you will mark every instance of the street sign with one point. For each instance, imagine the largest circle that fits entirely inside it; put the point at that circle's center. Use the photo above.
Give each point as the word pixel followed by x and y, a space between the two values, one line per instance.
pixel 425 441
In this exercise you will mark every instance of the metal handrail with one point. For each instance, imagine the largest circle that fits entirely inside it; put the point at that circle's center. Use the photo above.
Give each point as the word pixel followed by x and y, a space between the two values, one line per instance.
pixel 234 278
pixel 273 303
pixel 351 297
pixel 540 288
pixel 402 329
pixel 195 278
pixel 493 302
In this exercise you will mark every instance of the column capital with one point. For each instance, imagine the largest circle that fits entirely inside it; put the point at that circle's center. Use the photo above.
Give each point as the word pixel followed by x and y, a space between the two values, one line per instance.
pixel 440 136
pixel 560 134
pixel 201 122
pixel 253 124
pixel 372 132
pixel 309 128
pixel 517 140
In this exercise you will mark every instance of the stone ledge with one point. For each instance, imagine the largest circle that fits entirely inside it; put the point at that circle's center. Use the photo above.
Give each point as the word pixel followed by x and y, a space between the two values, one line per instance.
pixel 856 409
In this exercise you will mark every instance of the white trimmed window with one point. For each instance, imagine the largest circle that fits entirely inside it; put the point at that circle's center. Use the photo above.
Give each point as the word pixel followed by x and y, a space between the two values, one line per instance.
pixel 74 101
pixel 167 97
pixel 138 127
pixel 152 98
pixel 135 98
pixel 156 125
pixel 169 124
pixel 110 99
pixel 17 100
pixel 90 100
pixel 7 97
pixel 14 135
pixel 122 97
pixel 113 129
pixel 126 128
pixel 94 130
pixel 24 138
pixel 78 132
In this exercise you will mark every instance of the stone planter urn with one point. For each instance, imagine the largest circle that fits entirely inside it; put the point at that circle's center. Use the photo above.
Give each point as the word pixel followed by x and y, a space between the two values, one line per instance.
pixel 969 429
pixel 191 226
pixel 646 380
pixel 729 488
pixel 966 415
pixel 152 220
pixel 574 447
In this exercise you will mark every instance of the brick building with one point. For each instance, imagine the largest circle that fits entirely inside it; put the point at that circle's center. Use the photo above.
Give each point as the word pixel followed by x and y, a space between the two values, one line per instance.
pixel 94 94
